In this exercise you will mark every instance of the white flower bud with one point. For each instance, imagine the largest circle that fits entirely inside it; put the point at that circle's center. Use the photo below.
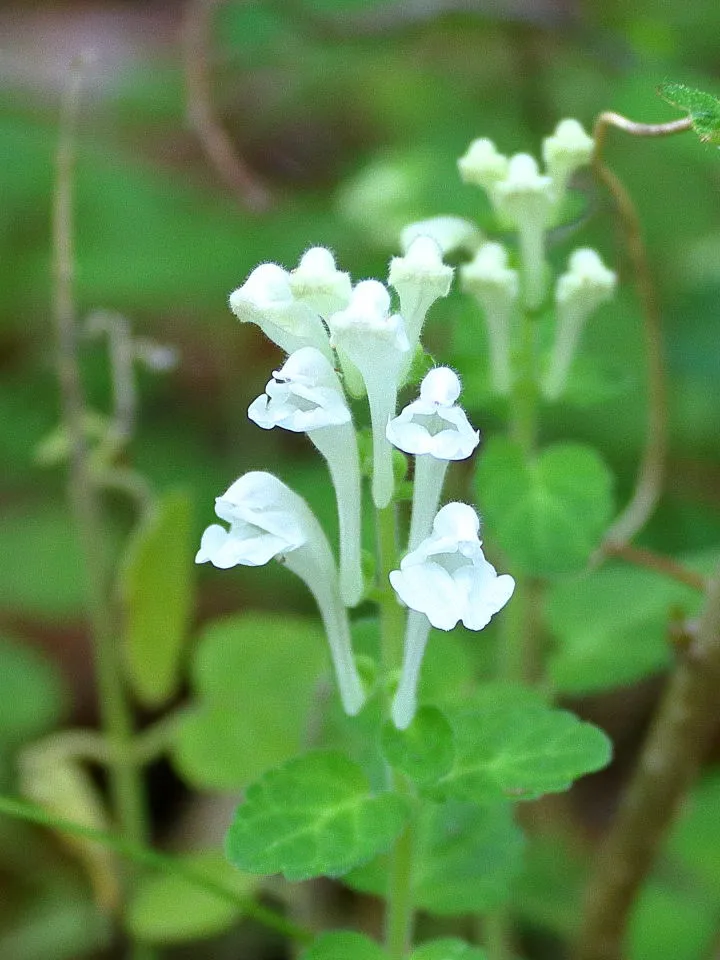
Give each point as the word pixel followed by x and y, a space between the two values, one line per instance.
pixel 377 344
pixel 568 149
pixel 496 287
pixel 482 165
pixel 420 278
pixel 579 292
pixel 450 233
pixel 318 283
pixel 266 298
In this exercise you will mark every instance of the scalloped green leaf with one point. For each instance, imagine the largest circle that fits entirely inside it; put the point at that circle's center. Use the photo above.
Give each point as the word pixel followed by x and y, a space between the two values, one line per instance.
pixel 425 750
pixel 466 858
pixel 547 515
pixel 511 746
pixel 168 908
pixel 313 817
pixel 253 677
pixel 344 945
pixel 157 587
pixel 704 109
pixel 448 948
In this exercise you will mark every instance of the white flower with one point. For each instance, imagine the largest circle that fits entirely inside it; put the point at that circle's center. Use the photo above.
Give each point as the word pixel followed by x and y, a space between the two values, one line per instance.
pixel 317 282
pixel 448 578
pixel 420 278
pixel 306 396
pixel 376 343
pixel 268 520
pixel 579 292
pixel 435 430
pixel 266 298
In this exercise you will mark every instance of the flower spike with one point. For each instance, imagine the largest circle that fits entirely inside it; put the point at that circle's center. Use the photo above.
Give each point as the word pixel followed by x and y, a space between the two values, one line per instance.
pixel 306 396
pixel 266 298
pixel 436 431
pixel 268 520
pixel 446 579
pixel 378 346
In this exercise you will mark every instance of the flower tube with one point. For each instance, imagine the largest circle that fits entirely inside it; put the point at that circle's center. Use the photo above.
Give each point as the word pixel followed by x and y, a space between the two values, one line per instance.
pixel 420 278
pixel 378 346
pixel 446 579
pixel 268 520
pixel 305 396
pixel 267 299
pixel 436 431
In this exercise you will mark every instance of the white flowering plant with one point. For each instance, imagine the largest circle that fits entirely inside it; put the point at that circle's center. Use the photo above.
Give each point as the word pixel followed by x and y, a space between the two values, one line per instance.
pixel 393 739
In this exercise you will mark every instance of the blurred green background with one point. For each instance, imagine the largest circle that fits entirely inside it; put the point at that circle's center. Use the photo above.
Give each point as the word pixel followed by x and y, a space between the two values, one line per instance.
pixel 352 114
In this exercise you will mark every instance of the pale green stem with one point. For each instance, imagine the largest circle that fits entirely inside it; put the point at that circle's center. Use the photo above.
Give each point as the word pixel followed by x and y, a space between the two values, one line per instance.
pixel 427 487
pixel 400 910
pixel 531 240
pixel 338 445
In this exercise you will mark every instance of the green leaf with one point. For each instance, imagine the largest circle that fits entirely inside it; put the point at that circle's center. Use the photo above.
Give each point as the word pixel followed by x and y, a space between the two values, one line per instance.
pixel 694 838
pixel 253 676
pixel 547 515
pixel 548 892
pixel 509 745
pixel 425 750
pixel 168 908
pixel 312 817
pixel 448 949
pixel 344 945
pixel 465 860
pixel 32 695
pixel 612 626
pixel 156 586
pixel 704 109
pixel 669 922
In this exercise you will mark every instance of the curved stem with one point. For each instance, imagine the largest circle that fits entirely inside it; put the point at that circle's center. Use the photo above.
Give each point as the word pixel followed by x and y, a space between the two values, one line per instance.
pixel 427 487
pixel 649 481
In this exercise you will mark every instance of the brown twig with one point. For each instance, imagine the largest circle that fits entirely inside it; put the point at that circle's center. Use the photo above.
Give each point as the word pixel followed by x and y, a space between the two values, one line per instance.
pixel 667 566
pixel 684 726
pixel 649 482
pixel 213 137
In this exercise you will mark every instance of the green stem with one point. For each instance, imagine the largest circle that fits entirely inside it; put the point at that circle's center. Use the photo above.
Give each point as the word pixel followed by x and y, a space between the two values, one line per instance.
pixel 125 781
pixel 400 911
pixel 148 857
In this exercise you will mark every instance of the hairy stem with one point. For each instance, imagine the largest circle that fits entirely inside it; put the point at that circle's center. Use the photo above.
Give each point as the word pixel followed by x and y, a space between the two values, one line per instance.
pixel 685 724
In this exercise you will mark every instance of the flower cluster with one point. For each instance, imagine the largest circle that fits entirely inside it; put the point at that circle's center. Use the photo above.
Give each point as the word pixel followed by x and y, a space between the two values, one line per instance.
pixel 350 340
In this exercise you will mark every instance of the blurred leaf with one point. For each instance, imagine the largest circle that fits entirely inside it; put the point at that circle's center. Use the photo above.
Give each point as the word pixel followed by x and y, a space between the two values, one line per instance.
pixel 547 515
pixel 253 675
pixel 612 626
pixel 548 891
pixel 704 109
pixel 424 751
pixel 447 949
pixel 510 745
pixel 695 839
pixel 168 908
pixel 156 586
pixel 32 693
pixel 312 817
pixel 467 856
pixel 669 922
pixel 344 945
